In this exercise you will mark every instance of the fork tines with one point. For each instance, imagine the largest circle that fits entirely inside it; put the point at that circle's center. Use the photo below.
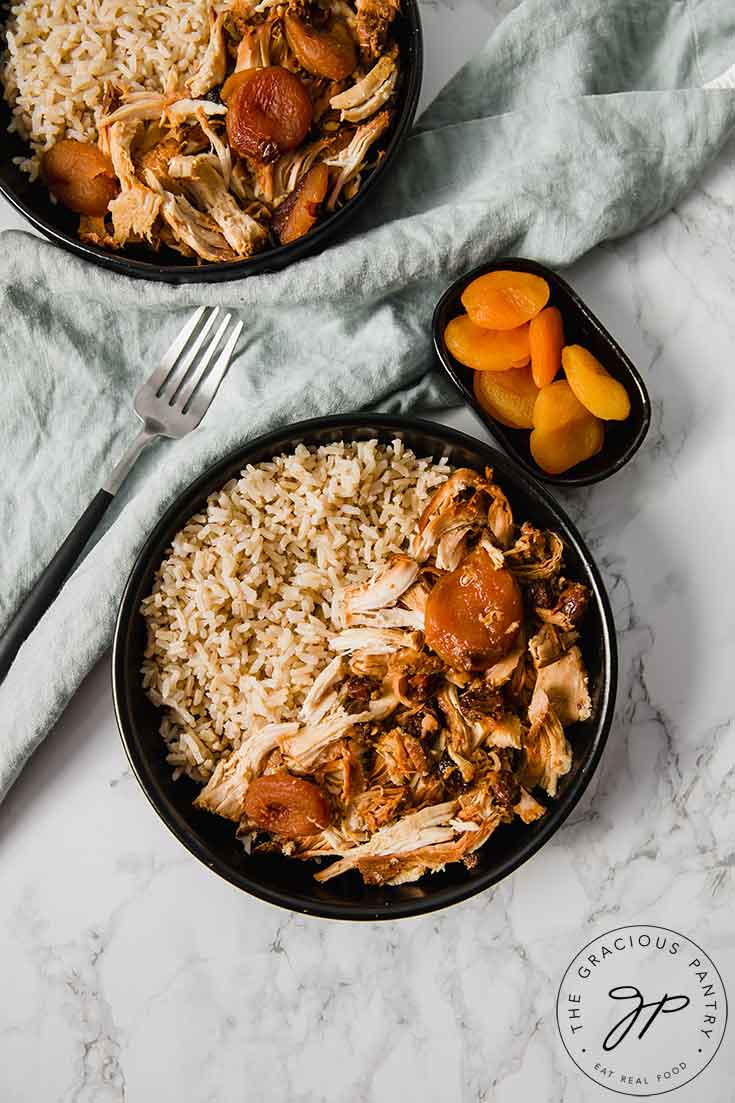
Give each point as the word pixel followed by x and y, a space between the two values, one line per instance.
pixel 191 386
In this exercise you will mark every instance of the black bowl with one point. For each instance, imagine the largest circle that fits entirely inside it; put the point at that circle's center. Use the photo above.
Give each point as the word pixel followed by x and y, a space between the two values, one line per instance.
pixel 288 882
pixel 581 327
pixel 60 225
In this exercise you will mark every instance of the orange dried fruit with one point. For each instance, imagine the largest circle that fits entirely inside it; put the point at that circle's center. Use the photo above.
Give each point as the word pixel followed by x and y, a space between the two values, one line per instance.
pixel 505 299
pixel 299 211
pixel 473 614
pixel 595 388
pixel 287 805
pixel 507 396
pixel 557 406
pixel 268 113
pixel 326 52
pixel 557 450
pixel 80 176
pixel 486 349
pixel 546 340
pixel 233 82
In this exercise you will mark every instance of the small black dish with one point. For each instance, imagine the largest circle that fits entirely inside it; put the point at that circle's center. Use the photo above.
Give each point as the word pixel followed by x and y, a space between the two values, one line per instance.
pixel 581 327
pixel 59 225
pixel 290 883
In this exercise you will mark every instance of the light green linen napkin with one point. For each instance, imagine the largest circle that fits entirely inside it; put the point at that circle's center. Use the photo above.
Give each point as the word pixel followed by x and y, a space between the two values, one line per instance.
pixel 581 120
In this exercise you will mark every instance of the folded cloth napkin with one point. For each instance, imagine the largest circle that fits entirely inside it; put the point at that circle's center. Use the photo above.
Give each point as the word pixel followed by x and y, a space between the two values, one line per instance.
pixel 581 120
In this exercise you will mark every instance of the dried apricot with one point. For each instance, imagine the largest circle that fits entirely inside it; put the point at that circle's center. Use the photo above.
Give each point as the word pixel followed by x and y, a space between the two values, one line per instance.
pixel 233 82
pixel 507 396
pixel 486 349
pixel 287 805
pixel 473 615
pixel 595 388
pixel 80 176
pixel 546 340
pixel 556 450
pixel 557 406
pixel 268 112
pixel 328 52
pixel 505 300
pixel 298 212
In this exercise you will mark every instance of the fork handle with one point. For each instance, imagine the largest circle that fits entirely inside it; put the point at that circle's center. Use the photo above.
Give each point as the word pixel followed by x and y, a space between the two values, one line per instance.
pixel 47 585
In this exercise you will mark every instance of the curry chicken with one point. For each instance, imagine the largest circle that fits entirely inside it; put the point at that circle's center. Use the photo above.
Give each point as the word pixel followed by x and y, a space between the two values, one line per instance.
pixel 456 669
pixel 277 128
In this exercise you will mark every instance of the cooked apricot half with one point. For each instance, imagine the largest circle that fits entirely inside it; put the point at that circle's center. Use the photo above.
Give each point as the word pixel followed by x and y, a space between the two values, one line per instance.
pixel 298 212
pixel 595 388
pixel 557 406
pixel 486 349
pixel 80 176
pixel 287 805
pixel 328 52
pixel 546 340
pixel 557 450
pixel 504 299
pixel 473 614
pixel 507 396
pixel 233 82
pixel 269 112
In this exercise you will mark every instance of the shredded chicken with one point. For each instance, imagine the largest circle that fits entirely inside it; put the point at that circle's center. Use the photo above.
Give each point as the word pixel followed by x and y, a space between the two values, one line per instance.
pixel 528 808
pixel 383 589
pixel 303 747
pixel 213 65
pixel 549 644
pixel 374 641
pixel 203 181
pixel 350 161
pixel 564 684
pixel 224 793
pixel 423 828
pixel 135 210
pixel 461 504
pixel 193 228
pixel 548 755
pixel 421 763
pixel 254 49
pixel 317 701
pixel 535 554
pixel 365 97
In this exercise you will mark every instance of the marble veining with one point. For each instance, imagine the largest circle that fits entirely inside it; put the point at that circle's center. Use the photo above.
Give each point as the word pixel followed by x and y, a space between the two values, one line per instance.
pixel 130 973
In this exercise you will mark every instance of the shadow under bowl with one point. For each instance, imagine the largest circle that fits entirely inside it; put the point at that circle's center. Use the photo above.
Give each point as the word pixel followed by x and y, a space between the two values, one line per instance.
pixel 288 882
pixel 581 327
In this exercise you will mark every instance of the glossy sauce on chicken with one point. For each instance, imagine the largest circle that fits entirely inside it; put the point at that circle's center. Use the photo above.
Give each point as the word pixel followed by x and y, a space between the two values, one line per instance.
pixel 474 613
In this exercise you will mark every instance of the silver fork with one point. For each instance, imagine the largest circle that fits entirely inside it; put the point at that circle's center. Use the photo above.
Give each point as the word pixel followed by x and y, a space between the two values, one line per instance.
pixel 171 403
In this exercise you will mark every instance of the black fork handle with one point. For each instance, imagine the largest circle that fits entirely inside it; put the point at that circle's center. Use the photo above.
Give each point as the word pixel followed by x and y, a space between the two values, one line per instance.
pixel 47 586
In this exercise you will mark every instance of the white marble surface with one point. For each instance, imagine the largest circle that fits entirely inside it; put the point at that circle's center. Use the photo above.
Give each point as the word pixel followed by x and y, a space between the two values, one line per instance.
pixel 129 972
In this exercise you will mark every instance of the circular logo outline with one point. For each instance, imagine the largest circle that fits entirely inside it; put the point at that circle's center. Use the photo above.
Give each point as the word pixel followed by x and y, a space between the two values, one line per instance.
pixel 631 927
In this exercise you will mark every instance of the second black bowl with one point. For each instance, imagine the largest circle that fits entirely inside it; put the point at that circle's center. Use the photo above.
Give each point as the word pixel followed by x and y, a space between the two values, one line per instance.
pixel 60 225
pixel 581 327
pixel 288 882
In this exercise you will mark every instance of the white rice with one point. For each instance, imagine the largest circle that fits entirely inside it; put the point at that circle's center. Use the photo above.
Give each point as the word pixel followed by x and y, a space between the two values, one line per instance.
pixel 62 52
pixel 242 607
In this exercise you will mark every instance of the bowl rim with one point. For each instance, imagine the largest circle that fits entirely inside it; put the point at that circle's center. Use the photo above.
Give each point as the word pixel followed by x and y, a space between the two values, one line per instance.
pixel 163 531
pixel 273 259
pixel 447 362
